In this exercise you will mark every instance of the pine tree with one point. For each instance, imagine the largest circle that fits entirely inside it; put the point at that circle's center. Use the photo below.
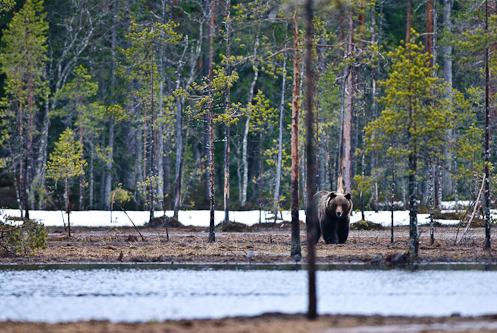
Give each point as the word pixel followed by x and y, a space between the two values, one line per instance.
pixel 22 60
pixel 142 59
pixel 78 95
pixel 416 117
pixel 65 163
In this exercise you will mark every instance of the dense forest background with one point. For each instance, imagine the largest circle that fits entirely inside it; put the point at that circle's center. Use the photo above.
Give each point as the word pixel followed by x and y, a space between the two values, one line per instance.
pixel 135 101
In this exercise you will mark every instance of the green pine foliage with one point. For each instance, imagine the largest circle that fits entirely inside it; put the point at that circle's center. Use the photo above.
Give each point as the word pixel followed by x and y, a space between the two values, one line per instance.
pixel 69 68
pixel 417 111
pixel 23 57
pixel 65 162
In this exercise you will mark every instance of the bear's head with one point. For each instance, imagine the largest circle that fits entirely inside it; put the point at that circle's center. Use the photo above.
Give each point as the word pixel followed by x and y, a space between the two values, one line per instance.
pixel 339 205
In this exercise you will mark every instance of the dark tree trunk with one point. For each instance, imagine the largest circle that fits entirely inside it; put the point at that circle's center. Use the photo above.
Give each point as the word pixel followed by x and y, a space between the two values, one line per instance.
pixel 280 142
pixel 311 216
pixel 431 191
pixel 348 116
pixel 295 245
pixel 179 152
pixel 374 106
pixel 108 167
pixel 67 206
pixel 153 166
pixel 408 22
pixel 487 140
pixel 412 164
pixel 391 202
pixel 260 176
pixel 22 168
pixel 450 184
pixel 429 27
pixel 212 236
pixel 81 159
pixel 227 126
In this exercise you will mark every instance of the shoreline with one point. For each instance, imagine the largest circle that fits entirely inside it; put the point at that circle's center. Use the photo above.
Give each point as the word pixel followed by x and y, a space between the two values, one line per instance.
pixel 270 244
pixel 273 322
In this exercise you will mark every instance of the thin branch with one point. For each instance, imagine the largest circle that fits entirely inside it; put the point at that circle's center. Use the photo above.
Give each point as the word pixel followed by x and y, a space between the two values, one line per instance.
pixel 474 211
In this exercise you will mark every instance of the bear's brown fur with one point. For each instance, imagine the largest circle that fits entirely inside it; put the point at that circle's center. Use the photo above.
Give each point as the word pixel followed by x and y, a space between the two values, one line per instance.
pixel 333 212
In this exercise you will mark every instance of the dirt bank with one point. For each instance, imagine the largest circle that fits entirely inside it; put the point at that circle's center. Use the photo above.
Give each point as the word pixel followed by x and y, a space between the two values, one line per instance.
pixel 271 323
pixel 269 244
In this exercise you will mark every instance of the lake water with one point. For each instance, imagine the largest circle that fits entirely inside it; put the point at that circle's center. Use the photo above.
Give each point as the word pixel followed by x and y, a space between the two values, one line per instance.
pixel 58 293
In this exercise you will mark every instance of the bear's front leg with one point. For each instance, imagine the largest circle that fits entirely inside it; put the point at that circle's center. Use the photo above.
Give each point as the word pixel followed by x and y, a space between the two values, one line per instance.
pixel 343 231
pixel 329 231
pixel 332 238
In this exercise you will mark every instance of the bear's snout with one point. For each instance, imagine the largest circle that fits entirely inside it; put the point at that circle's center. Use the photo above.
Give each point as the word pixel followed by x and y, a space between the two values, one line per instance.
pixel 339 214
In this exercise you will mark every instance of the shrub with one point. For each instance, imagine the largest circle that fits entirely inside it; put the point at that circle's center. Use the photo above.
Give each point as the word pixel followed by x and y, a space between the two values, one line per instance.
pixel 22 239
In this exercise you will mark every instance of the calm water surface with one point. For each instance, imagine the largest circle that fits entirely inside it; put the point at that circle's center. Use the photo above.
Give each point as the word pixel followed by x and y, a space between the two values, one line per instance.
pixel 60 293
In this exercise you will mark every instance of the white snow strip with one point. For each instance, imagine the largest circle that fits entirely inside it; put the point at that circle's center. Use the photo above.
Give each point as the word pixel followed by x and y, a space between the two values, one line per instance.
pixel 200 217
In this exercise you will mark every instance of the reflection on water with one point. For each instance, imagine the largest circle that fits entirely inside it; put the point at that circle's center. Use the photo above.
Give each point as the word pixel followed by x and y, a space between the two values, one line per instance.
pixel 141 292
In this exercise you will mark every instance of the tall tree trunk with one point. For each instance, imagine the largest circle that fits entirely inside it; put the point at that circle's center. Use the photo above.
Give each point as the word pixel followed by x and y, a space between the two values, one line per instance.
pixel 295 242
pixel 447 72
pixel 227 125
pixel 144 143
pixel 412 164
pixel 66 197
pixel 92 182
pixel 42 152
pixel 431 191
pixel 101 190
pixel 260 176
pixel 392 197
pixel 374 155
pixel 81 159
pixel 243 199
pixel 429 27
pixel 109 164
pixel 487 140
pixel 280 142
pixel 212 236
pixel 413 209
pixel 408 22
pixel 434 74
pixel 432 195
pixel 22 169
pixel 179 124
pixel 311 216
pixel 348 116
pixel 179 149
pixel 29 131
pixel 435 38
pixel 153 166
pixel 161 180
pixel 340 158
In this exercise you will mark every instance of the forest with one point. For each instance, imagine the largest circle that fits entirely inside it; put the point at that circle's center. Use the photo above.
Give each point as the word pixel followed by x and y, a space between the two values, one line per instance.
pixel 185 104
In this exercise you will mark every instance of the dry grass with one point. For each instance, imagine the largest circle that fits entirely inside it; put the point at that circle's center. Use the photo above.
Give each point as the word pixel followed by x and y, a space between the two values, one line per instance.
pixel 272 245
pixel 271 323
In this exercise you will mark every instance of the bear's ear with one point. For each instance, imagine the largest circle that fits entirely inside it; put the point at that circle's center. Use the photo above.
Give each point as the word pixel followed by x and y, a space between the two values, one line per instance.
pixel 332 195
pixel 348 196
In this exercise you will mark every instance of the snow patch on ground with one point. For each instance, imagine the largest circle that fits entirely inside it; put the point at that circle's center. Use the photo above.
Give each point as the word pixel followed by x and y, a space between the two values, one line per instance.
pixel 200 218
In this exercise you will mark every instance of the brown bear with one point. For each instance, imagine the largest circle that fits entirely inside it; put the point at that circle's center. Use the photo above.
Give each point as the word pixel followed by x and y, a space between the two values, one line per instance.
pixel 333 212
